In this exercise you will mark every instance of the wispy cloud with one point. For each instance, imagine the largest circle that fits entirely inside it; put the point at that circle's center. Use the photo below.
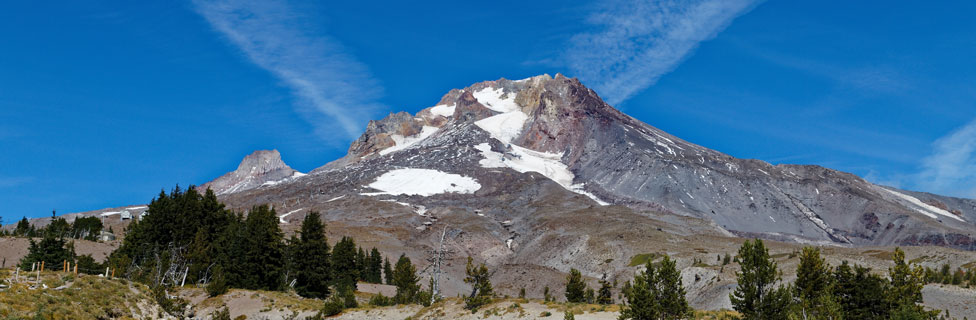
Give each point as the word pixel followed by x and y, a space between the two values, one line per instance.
pixel 638 41
pixel 337 92
pixel 10 182
pixel 951 168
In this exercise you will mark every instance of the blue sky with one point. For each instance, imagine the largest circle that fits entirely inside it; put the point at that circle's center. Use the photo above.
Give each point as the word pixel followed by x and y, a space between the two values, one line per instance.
pixel 104 103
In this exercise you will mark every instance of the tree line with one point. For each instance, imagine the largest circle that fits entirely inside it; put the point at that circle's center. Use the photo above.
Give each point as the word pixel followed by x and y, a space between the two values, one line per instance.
pixel 86 228
pixel 820 291
pixel 192 238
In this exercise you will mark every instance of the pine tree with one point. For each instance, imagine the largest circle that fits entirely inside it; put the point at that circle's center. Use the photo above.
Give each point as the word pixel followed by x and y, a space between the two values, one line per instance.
pixel 481 290
pixel 590 295
pixel 387 271
pixel 756 296
pixel 344 263
pixel 218 282
pixel 312 266
pixel 860 294
pixel 200 257
pixel 406 281
pixel 51 250
pixel 23 228
pixel 362 265
pixel 605 296
pixel 813 287
pixel 546 296
pixel 670 293
pixel 264 261
pixel 59 228
pixel 906 287
pixel 575 287
pixel 374 270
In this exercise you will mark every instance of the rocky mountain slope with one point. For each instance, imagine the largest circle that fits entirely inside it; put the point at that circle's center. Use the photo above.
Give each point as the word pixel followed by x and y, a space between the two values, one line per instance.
pixel 538 176
pixel 500 134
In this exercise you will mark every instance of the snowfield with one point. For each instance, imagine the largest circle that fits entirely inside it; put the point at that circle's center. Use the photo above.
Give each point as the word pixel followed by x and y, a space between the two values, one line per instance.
pixel 505 127
pixel 924 208
pixel 526 160
pixel 492 98
pixel 422 182
pixel 443 110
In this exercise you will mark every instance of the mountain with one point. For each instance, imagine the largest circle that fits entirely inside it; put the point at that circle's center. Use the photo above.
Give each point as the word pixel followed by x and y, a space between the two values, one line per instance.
pixel 503 134
pixel 261 168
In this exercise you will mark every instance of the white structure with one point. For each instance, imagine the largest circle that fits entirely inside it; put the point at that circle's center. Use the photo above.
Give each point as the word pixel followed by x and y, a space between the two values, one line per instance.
pixel 125 215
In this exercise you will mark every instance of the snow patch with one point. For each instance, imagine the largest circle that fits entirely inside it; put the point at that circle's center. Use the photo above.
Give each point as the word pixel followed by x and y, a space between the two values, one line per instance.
pixel 504 127
pixel 281 218
pixel 110 213
pixel 527 160
pixel 336 198
pixel 136 208
pixel 443 110
pixel 492 99
pixel 422 182
pixel 924 208
pixel 405 142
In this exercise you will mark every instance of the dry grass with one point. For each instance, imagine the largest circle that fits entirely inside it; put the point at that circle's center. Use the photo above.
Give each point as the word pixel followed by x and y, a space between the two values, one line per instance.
pixel 85 297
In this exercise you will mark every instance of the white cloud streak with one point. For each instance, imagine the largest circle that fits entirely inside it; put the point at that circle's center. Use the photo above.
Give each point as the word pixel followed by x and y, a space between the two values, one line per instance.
pixel 336 92
pixel 951 168
pixel 641 40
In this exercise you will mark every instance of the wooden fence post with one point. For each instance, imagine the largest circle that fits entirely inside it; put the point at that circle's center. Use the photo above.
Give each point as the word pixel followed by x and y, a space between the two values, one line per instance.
pixel 76 269
pixel 42 265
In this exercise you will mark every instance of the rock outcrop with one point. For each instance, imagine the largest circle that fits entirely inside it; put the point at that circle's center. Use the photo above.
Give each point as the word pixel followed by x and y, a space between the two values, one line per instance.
pixel 263 167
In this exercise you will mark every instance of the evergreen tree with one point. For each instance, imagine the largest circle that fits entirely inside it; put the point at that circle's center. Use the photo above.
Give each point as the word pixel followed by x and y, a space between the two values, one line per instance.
pixel 575 287
pixel 51 250
pixel 344 263
pixel 59 228
pixel 86 264
pixel 387 271
pixel 231 249
pixel 905 293
pixel 312 266
pixel 481 290
pixel 218 282
pixel 546 296
pixel 755 296
pixel 24 228
pixel 605 296
pixel 590 295
pixel 860 294
pixel 670 292
pixel 374 270
pixel 656 293
pixel 813 287
pixel 406 281
pixel 361 264
pixel 200 257
pixel 262 267
pixel 86 228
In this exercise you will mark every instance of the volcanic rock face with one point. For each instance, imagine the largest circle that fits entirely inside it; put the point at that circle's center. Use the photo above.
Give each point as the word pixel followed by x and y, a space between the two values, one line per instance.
pixel 504 132
pixel 263 167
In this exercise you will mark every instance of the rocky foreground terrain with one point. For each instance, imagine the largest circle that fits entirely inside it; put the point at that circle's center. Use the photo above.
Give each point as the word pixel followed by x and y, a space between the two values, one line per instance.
pixel 537 176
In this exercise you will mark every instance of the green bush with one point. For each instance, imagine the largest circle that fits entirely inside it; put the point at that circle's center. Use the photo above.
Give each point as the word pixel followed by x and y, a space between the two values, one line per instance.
pixel 380 300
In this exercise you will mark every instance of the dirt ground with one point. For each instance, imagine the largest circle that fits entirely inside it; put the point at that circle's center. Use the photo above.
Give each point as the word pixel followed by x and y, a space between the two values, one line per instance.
pixel 13 249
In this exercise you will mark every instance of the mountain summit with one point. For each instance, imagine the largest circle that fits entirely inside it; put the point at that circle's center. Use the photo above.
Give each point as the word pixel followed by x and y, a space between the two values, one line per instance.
pixel 262 167
pixel 512 138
